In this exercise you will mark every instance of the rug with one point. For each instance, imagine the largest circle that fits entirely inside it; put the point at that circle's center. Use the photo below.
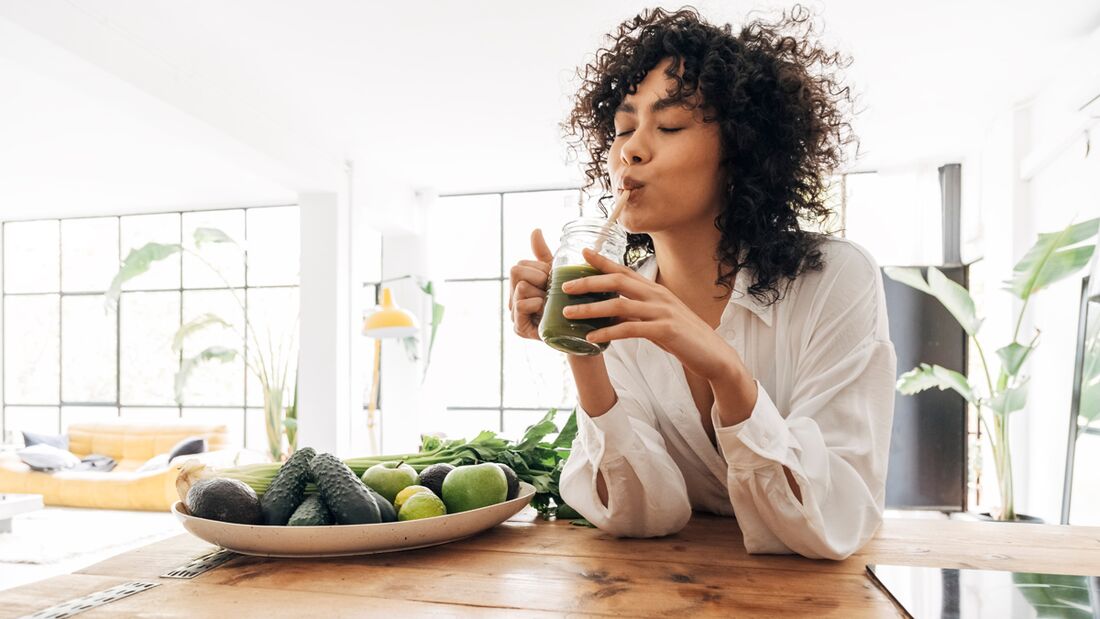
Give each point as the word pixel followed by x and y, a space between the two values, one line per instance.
pixel 56 534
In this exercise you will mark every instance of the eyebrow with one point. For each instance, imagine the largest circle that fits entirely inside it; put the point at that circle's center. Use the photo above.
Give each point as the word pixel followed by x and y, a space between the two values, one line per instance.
pixel 660 104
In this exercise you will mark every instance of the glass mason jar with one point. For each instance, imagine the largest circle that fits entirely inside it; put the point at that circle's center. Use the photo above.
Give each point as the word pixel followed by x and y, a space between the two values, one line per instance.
pixel 559 332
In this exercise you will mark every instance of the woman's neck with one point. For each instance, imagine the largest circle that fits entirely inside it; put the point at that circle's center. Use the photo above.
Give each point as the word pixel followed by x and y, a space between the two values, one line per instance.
pixel 687 265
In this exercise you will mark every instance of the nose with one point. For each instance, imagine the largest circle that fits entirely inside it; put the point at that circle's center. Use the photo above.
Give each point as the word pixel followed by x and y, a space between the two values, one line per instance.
pixel 635 150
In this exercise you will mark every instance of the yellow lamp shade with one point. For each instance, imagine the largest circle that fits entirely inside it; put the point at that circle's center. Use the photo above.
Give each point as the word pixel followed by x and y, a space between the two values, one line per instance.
pixel 388 320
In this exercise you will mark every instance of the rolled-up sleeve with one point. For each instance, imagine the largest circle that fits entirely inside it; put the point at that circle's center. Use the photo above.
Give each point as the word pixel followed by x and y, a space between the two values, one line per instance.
pixel 834 439
pixel 647 496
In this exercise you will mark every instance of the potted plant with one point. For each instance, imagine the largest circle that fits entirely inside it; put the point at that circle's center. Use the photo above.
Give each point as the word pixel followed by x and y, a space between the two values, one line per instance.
pixel 1055 256
pixel 274 367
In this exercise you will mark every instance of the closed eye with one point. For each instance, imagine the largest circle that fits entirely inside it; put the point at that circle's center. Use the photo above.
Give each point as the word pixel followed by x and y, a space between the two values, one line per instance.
pixel 670 129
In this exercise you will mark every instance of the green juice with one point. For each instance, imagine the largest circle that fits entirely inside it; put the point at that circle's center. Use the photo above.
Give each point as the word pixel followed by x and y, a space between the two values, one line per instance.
pixel 563 333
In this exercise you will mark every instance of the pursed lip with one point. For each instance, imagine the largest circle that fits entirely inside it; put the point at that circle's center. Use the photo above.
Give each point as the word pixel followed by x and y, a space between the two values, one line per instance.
pixel 630 183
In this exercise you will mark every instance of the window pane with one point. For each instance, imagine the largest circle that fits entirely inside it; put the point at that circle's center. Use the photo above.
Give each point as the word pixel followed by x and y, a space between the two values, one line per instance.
pixel 274 237
pixel 31 349
pixel 464 424
pixel 214 382
pixel 523 212
pixel 273 314
pixel 86 414
pixel 41 419
pixel 137 230
pixel 535 375
pixel 149 321
pixel 1085 504
pixel 464 236
pixel 517 422
pixel 31 256
pixel 466 359
pixel 231 418
pixel 89 253
pixel 256 431
pixel 149 414
pixel 227 258
pixel 88 350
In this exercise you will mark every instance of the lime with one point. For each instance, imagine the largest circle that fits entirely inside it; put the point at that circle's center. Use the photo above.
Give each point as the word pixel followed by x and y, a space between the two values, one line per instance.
pixel 421 505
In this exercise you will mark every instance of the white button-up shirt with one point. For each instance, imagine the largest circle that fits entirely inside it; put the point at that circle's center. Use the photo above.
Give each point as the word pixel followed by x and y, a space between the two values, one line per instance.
pixel 825 368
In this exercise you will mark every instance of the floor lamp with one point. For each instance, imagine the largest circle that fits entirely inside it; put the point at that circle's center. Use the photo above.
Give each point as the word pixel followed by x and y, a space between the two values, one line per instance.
pixel 387 321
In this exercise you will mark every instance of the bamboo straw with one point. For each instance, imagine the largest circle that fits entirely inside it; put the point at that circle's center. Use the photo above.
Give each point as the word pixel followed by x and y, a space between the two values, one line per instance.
pixel 620 203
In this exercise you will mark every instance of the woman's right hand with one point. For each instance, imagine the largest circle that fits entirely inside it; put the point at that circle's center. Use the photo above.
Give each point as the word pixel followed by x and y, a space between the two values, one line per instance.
pixel 528 281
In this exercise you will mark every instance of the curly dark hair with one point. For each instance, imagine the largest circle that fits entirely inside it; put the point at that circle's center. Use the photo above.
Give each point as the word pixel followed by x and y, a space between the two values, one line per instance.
pixel 782 113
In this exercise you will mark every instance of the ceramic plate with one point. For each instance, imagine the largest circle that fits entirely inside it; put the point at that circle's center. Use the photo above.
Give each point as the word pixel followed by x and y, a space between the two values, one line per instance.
pixel 351 539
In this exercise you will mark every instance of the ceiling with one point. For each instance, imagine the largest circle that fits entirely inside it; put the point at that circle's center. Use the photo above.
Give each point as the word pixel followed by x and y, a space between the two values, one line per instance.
pixel 442 95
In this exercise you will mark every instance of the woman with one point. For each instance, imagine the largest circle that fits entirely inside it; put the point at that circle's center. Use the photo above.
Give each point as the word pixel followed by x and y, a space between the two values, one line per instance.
pixel 750 371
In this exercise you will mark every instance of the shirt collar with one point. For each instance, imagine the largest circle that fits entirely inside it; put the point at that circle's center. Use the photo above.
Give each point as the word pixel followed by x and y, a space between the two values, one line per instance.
pixel 740 296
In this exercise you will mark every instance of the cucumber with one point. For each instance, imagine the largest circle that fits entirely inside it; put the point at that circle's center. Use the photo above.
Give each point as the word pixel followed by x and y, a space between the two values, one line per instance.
pixel 346 496
pixel 311 513
pixel 385 508
pixel 288 489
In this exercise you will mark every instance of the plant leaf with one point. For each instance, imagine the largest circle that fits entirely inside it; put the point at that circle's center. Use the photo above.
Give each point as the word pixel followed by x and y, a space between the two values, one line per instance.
pixel 211 235
pixel 1013 357
pixel 1010 400
pixel 188 365
pixel 536 432
pixel 568 432
pixel 927 376
pixel 137 262
pixel 956 299
pixel 909 276
pixel 194 326
pixel 1048 260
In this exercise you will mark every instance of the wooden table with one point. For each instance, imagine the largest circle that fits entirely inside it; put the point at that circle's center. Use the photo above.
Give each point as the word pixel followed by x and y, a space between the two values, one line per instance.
pixel 556 569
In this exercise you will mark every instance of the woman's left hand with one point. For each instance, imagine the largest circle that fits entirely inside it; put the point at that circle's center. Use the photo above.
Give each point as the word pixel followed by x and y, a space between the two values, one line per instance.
pixel 648 310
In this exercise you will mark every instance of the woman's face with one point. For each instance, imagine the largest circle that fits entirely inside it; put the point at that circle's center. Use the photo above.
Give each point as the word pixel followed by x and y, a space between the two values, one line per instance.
pixel 667 156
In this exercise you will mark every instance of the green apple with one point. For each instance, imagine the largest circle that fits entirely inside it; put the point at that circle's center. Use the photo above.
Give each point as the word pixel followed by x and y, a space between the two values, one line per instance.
pixel 421 505
pixel 473 486
pixel 389 478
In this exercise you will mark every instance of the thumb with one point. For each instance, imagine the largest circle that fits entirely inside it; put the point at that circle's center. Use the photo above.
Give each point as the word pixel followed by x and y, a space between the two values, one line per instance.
pixel 538 245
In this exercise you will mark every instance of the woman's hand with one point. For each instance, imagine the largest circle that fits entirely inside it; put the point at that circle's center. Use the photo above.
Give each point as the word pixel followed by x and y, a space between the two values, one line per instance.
pixel 648 310
pixel 527 288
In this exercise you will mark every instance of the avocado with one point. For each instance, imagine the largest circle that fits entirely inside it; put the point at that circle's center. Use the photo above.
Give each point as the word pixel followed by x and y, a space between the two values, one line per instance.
pixel 288 489
pixel 513 481
pixel 347 497
pixel 432 477
pixel 225 500
pixel 311 513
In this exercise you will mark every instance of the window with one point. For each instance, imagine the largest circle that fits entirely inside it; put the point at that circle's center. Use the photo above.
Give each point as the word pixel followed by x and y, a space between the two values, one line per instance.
pixel 493 380
pixel 67 359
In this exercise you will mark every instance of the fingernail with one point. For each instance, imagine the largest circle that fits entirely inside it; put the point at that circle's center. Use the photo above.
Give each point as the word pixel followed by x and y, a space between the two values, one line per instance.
pixel 567 286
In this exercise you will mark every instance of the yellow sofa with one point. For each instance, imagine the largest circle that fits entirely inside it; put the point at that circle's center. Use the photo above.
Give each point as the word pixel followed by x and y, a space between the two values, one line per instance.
pixel 131 445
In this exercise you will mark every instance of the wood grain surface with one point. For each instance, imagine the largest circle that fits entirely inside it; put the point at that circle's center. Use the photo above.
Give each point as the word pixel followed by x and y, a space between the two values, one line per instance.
pixel 555 569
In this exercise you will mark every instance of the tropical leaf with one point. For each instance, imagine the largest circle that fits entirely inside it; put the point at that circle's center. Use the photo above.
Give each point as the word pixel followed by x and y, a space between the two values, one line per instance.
pixel 909 276
pixel 1013 357
pixel 927 376
pixel 137 262
pixel 952 296
pixel 1010 400
pixel 195 326
pixel 211 235
pixel 428 288
pixel 1052 258
pixel 188 365
pixel 956 299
